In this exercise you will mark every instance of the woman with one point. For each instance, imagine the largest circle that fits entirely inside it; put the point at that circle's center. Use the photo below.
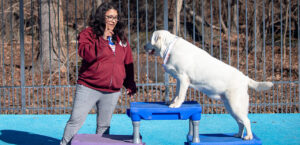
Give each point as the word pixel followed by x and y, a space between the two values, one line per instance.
pixel 107 65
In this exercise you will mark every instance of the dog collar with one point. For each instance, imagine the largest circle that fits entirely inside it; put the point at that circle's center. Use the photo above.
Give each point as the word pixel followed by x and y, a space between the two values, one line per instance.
pixel 168 50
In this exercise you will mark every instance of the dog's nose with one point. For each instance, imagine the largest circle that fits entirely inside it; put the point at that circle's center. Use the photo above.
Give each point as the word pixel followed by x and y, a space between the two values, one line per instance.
pixel 148 47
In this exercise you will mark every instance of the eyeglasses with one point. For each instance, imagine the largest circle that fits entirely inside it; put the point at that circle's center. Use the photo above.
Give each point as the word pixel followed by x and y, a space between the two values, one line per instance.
pixel 112 18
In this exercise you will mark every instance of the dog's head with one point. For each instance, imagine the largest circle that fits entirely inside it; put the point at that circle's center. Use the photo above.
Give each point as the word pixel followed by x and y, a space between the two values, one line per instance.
pixel 159 41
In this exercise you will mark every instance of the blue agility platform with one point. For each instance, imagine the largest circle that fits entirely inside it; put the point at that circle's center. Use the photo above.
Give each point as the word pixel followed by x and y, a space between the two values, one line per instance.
pixel 223 139
pixel 161 111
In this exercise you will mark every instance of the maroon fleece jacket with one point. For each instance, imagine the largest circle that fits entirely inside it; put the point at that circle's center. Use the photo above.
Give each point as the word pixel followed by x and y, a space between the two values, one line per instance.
pixel 102 69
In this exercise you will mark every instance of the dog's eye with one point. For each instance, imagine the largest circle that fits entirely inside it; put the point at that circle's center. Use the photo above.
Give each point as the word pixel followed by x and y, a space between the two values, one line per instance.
pixel 156 38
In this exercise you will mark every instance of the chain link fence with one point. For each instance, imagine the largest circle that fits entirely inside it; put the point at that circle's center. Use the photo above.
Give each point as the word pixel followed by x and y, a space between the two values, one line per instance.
pixel 39 61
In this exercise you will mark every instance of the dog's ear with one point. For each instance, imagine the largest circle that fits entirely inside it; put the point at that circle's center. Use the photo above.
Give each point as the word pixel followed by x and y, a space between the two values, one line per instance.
pixel 157 37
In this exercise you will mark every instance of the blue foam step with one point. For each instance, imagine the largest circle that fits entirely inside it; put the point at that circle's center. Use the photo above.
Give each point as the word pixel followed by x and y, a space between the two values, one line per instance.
pixel 161 111
pixel 223 139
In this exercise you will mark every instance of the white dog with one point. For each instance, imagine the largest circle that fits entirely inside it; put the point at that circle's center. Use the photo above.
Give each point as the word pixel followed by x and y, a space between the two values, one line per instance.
pixel 192 66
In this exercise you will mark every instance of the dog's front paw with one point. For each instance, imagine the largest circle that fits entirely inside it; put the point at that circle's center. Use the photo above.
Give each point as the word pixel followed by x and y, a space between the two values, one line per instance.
pixel 248 137
pixel 175 105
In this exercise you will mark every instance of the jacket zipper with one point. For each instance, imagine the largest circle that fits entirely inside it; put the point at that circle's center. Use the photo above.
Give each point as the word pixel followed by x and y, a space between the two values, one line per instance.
pixel 111 77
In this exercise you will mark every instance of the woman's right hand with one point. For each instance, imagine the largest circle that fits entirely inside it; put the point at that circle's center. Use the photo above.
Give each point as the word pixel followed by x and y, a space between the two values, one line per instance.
pixel 107 32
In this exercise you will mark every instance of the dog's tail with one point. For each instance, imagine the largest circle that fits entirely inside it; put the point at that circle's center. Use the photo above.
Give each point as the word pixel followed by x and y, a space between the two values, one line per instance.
pixel 259 86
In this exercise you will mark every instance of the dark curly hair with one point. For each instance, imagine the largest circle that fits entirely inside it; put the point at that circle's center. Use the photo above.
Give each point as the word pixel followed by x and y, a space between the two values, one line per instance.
pixel 97 22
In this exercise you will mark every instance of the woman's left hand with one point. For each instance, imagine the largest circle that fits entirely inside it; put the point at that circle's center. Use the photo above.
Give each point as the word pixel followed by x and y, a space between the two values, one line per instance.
pixel 131 91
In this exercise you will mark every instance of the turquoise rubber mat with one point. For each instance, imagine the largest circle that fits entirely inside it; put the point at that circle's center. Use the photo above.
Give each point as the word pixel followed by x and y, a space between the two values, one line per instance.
pixel 272 129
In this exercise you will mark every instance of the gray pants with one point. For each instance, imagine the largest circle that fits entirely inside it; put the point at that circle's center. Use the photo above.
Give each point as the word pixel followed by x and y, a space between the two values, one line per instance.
pixel 84 101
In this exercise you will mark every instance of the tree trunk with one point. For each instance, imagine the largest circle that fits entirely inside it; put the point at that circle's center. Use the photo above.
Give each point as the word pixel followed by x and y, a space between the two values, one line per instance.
pixel 235 18
pixel 176 17
pixel 52 54
pixel 258 29
pixel 98 3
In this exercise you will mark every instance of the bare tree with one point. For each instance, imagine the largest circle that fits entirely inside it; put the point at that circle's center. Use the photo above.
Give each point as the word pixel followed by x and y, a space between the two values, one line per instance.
pixel 176 17
pixel 98 2
pixel 235 16
pixel 52 53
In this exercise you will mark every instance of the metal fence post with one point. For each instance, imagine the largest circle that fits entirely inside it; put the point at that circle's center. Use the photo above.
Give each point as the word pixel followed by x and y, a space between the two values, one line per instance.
pixel 298 53
pixel 22 55
pixel 166 28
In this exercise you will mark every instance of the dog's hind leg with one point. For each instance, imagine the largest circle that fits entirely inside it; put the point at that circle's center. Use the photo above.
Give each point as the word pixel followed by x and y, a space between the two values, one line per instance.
pixel 181 88
pixel 237 104
pixel 243 116
pixel 229 110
